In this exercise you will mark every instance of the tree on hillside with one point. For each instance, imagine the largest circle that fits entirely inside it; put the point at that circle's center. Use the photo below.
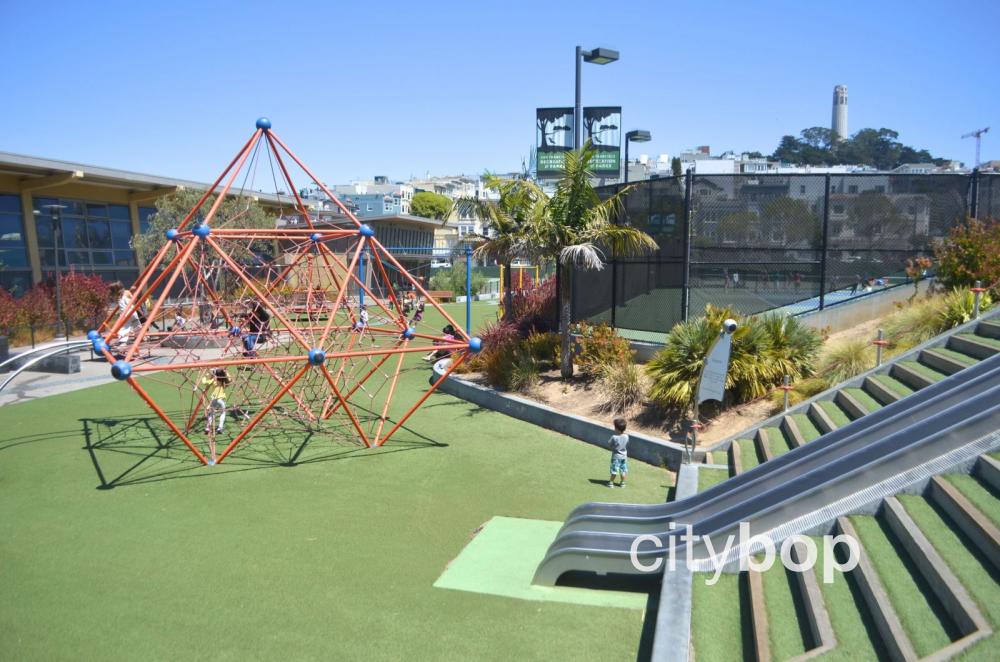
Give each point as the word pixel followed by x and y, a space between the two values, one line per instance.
pixel 739 226
pixel 430 205
pixel 676 167
pixel 872 214
pixel 878 148
pixel 791 219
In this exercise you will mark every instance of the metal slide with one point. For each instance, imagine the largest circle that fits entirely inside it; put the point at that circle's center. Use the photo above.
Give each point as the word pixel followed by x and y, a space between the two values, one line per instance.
pixel 39 354
pixel 937 427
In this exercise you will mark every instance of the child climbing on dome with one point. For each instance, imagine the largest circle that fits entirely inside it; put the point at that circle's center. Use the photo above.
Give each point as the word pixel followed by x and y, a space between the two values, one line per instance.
pixel 214 384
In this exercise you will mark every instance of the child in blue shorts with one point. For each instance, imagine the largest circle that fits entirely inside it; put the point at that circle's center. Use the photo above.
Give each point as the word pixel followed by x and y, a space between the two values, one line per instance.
pixel 619 453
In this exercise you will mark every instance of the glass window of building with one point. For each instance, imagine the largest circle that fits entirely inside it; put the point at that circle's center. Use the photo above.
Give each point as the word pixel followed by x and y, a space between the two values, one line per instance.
pixel 92 237
pixel 15 272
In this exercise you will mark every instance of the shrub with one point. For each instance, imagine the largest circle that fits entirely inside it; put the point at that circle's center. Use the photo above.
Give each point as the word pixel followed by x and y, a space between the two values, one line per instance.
pixel 84 299
pixel 846 360
pixel 956 307
pixel 523 371
pixel 8 312
pixel 599 344
pixel 793 345
pixel 36 311
pixel 913 324
pixel 534 310
pixel 543 347
pixel 971 252
pixel 453 279
pixel 621 386
pixel 764 350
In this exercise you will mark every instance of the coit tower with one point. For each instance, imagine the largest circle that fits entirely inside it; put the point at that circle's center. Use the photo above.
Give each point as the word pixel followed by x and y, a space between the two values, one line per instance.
pixel 839 123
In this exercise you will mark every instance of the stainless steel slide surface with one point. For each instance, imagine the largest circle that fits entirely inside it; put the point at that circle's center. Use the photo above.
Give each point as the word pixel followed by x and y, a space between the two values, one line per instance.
pixel 872 451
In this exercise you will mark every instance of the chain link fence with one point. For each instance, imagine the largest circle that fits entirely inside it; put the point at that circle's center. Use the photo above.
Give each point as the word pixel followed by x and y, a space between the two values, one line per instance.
pixel 762 242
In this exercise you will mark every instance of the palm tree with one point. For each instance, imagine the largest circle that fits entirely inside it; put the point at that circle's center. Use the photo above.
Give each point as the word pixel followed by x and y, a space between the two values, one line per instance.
pixel 507 222
pixel 574 229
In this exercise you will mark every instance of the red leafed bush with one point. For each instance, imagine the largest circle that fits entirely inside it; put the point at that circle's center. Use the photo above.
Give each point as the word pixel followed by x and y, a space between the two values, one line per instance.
pixel 534 310
pixel 970 253
pixel 36 308
pixel 8 312
pixel 84 299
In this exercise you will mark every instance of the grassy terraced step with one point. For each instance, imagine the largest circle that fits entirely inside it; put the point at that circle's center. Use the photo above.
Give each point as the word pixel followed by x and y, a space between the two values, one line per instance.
pixel 778 444
pixel 982 347
pixel 787 629
pixel 748 454
pixel 862 398
pixel 965 359
pixel 989 329
pixel 921 614
pixel 853 625
pixel 982 496
pixel 721 623
pixel 708 477
pixel 972 569
pixel 916 375
pixel 892 386
pixel 808 429
pixel 834 412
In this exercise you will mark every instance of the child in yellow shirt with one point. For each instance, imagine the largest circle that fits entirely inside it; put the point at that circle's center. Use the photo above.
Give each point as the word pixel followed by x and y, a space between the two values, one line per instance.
pixel 214 383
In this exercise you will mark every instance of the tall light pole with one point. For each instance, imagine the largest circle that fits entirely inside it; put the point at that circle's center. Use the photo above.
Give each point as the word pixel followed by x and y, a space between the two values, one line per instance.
pixel 55 211
pixel 637 136
pixel 595 56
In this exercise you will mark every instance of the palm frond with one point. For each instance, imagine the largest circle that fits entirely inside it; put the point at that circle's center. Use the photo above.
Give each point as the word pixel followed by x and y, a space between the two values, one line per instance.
pixel 585 256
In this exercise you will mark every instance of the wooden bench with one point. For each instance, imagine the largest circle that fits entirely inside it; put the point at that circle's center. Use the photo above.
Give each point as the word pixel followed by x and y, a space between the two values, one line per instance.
pixel 441 295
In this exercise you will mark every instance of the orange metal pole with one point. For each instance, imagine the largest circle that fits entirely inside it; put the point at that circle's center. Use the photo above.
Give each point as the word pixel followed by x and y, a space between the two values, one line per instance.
pixel 368 291
pixel 435 304
pixel 298 400
pixel 392 290
pixel 166 419
pixel 253 288
pixel 343 291
pixel 185 254
pixel 209 190
pixel 321 185
pixel 454 364
pixel 256 419
pixel 225 189
pixel 143 277
pixel 388 399
pixel 215 363
pixel 327 414
pixel 343 402
pixel 291 185
pixel 137 301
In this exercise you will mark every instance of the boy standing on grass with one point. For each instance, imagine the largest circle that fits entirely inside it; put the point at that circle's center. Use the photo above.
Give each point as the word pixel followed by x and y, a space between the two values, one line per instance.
pixel 619 453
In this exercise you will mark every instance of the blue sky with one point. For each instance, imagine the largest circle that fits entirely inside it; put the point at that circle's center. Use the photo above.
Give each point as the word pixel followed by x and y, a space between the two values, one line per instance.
pixel 364 88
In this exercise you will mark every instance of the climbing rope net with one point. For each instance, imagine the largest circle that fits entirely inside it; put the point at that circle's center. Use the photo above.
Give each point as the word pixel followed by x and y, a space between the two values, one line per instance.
pixel 313 341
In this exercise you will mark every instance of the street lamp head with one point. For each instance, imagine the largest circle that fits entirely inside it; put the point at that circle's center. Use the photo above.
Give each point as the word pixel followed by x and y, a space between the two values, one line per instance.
pixel 600 56
pixel 638 136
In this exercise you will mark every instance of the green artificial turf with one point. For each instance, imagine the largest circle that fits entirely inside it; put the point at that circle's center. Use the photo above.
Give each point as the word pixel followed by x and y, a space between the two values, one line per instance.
pixel 980 494
pixel 861 396
pixel 853 627
pixel 806 427
pixel 503 557
pixel 834 412
pixel 982 340
pixel 924 370
pixel 333 558
pixel 921 614
pixel 748 454
pixel 721 628
pixel 778 444
pixel 787 632
pixel 710 477
pixel 893 384
pixel 975 572
pixel 964 359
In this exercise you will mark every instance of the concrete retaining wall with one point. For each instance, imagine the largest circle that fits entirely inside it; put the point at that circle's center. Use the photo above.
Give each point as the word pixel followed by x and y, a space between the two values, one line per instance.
pixel 658 452
pixel 858 311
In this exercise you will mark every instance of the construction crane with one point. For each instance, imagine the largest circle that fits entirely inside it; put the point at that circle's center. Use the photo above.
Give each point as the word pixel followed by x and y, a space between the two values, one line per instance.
pixel 978 135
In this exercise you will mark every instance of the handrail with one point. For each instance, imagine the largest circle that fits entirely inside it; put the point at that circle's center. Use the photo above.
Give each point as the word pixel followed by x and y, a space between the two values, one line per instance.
pixel 69 345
